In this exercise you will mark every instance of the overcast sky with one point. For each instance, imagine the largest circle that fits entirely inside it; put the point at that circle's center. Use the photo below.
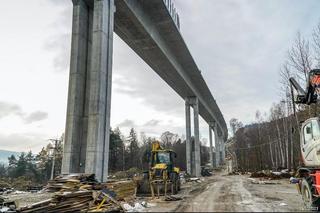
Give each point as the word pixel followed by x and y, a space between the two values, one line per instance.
pixel 238 45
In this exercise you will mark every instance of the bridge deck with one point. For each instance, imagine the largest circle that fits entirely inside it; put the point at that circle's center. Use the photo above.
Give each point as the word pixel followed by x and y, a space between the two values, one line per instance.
pixel 151 32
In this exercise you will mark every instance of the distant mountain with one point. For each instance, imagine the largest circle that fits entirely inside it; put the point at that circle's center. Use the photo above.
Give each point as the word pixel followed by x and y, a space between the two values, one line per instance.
pixel 4 154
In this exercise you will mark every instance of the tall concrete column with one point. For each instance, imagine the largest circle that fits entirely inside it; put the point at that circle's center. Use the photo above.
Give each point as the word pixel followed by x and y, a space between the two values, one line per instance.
pixel 211 147
pixel 217 145
pixel 223 151
pixel 197 159
pixel 193 148
pixel 100 78
pixel 188 137
pixel 73 145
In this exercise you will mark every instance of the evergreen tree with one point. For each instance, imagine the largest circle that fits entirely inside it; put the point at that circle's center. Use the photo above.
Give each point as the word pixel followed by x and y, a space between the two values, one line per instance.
pixel 116 150
pixel 133 160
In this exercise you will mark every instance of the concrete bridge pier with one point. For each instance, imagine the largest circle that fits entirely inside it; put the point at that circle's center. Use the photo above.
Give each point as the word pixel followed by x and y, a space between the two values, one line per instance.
pixel 222 150
pixel 193 153
pixel 212 161
pixel 86 147
pixel 217 144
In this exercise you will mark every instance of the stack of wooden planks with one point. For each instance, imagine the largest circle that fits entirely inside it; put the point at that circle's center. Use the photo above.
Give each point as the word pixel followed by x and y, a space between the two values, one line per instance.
pixel 71 182
pixel 124 190
pixel 80 193
pixel 63 202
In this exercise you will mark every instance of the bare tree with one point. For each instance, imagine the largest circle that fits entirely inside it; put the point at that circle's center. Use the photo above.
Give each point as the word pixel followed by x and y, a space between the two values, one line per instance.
pixel 235 124
pixel 316 44
pixel 169 138
pixel 299 57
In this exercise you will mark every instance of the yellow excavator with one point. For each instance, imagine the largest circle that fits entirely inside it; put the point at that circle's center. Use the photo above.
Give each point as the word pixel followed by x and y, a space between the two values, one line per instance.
pixel 162 175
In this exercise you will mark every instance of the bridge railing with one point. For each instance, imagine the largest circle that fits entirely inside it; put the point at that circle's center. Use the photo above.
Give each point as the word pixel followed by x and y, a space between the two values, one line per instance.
pixel 173 12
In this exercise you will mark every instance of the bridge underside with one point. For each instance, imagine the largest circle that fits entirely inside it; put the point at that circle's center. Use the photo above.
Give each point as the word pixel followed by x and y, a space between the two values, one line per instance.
pixel 148 28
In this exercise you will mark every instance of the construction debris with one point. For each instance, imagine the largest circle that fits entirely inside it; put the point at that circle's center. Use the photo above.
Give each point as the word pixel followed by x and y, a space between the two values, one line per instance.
pixel 124 190
pixel 206 172
pixel 136 208
pixel 194 180
pixel 271 175
pixel 62 202
pixel 294 180
pixel 7 206
pixel 253 181
pixel 82 193
pixel 71 182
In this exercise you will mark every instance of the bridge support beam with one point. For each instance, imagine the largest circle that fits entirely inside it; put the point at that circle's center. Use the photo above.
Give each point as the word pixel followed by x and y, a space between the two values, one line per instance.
pixel 217 144
pixel 73 155
pixel 212 161
pixel 188 138
pixel 193 152
pixel 86 146
pixel 222 150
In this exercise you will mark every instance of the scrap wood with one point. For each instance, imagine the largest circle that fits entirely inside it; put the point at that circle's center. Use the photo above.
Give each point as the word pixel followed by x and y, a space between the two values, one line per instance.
pixel 37 205
pixel 71 182
pixel 75 200
pixel 65 202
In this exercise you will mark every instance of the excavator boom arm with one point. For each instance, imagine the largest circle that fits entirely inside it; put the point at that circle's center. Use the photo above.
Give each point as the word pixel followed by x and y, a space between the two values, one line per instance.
pixel 310 95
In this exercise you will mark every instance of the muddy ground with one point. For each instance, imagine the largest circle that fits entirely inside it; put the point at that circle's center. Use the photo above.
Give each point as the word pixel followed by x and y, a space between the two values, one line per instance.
pixel 234 194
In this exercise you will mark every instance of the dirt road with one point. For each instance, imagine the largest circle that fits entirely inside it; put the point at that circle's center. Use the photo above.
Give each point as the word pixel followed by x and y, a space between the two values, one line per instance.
pixel 238 194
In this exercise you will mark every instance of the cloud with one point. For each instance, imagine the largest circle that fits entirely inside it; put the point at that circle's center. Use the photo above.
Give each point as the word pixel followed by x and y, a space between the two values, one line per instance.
pixel 238 51
pixel 35 116
pixel 59 45
pixel 59 2
pixel 152 123
pixel 7 109
pixel 133 77
pixel 127 124
pixel 22 142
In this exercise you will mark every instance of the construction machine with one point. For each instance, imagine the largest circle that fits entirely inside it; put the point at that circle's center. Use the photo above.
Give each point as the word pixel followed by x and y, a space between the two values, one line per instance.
pixel 308 176
pixel 162 175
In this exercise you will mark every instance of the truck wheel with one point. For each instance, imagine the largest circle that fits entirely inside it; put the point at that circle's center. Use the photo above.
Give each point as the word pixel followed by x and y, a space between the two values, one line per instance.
pixel 307 190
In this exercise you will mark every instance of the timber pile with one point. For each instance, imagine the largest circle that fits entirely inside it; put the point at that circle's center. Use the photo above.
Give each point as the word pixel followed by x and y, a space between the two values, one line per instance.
pixel 82 193
pixel 124 190
pixel 79 201
pixel 63 202
pixel 71 182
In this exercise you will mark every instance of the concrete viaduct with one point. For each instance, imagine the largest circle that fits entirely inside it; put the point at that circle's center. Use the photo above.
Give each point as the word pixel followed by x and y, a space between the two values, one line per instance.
pixel 151 29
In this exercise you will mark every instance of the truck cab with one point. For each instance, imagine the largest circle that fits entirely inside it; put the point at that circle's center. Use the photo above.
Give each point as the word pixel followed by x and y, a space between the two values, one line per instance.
pixel 310 142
